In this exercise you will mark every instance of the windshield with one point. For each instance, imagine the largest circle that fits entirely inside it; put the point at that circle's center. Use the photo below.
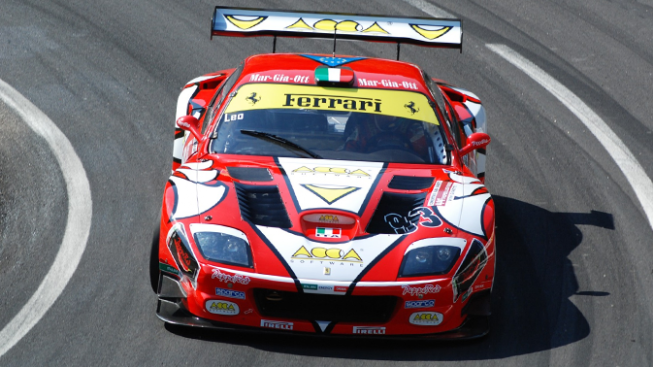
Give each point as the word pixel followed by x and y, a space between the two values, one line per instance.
pixel 334 123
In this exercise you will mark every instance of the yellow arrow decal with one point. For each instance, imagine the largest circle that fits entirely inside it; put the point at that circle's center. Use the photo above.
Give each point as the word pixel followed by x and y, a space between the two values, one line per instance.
pixel 375 28
pixel 299 24
pixel 330 194
pixel 244 22
pixel 430 34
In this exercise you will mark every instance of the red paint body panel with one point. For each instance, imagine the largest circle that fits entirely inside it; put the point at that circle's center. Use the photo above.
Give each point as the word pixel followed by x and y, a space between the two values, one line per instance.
pixel 203 193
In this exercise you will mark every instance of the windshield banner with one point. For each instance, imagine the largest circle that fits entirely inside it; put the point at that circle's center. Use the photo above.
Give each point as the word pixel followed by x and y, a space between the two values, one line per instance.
pixel 410 105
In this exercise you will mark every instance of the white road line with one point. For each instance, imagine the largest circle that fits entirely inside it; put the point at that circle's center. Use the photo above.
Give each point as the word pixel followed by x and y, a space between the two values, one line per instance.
pixel 77 226
pixel 429 9
pixel 635 174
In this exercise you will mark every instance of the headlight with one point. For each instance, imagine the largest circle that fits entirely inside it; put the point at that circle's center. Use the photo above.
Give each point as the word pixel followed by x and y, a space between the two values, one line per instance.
pixel 431 256
pixel 181 252
pixel 429 260
pixel 222 244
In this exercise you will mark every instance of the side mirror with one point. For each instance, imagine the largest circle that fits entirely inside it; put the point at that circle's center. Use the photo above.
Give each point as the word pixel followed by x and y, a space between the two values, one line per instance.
pixel 190 123
pixel 475 141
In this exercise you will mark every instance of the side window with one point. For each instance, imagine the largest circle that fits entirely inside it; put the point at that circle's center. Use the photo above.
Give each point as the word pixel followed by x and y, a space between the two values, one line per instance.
pixel 443 106
pixel 220 96
pixel 453 124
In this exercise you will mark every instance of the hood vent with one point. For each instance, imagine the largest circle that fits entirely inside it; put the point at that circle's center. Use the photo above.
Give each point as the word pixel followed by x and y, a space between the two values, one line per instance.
pixel 410 183
pixel 392 215
pixel 252 174
pixel 262 205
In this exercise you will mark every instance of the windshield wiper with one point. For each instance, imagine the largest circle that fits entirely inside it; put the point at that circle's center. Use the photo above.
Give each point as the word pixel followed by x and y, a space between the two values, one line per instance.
pixel 280 140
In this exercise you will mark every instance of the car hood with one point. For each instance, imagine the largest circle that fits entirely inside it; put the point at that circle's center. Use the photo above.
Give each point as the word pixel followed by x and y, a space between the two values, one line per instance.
pixel 330 220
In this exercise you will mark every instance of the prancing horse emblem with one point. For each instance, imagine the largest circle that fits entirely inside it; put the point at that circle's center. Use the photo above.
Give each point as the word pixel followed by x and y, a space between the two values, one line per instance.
pixel 411 107
pixel 252 99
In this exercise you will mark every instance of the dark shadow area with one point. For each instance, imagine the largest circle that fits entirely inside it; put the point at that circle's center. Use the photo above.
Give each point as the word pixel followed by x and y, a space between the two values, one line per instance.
pixel 531 307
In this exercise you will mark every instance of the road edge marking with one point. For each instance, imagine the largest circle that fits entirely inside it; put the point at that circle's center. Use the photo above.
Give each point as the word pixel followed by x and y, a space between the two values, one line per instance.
pixel 78 225
pixel 618 151
pixel 430 9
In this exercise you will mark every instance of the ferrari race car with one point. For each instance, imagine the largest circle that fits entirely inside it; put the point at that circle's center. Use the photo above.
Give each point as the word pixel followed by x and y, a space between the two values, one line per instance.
pixel 328 194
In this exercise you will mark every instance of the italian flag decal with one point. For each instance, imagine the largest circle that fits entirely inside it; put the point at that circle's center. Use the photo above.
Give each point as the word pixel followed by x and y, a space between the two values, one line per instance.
pixel 328 232
pixel 334 75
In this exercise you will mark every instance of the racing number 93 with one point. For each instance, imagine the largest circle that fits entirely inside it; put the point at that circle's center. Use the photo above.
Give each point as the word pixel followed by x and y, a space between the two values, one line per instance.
pixel 404 224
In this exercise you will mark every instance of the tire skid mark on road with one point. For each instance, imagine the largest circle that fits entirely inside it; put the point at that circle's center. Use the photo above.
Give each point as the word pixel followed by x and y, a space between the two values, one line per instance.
pixel 634 172
pixel 78 224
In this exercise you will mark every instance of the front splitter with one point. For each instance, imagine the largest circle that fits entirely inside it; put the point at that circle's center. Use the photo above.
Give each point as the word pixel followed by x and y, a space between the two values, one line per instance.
pixel 172 311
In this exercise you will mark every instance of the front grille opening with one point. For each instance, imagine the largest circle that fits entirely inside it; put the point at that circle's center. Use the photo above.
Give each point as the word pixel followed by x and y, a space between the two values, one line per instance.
pixel 262 205
pixel 410 183
pixel 304 306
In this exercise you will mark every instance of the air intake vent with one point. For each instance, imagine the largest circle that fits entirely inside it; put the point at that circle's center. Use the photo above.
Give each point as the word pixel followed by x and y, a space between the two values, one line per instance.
pixel 410 183
pixel 304 306
pixel 262 205
pixel 253 174
pixel 393 214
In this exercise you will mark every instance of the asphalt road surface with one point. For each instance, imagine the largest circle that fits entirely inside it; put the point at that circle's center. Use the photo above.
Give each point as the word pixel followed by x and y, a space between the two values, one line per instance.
pixel 574 282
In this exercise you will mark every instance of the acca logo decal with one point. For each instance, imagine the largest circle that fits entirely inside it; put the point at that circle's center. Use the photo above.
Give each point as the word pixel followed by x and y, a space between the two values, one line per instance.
pixel 222 307
pixel 426 318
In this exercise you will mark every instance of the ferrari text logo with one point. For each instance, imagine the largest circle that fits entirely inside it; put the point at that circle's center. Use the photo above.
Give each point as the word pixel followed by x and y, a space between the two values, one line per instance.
pixel 338 103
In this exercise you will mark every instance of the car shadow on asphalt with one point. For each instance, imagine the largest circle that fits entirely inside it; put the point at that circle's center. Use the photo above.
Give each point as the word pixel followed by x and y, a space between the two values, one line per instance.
pixel 531 309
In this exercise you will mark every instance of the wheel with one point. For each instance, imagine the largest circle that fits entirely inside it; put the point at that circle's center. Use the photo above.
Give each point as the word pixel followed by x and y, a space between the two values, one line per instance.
pixel 154 261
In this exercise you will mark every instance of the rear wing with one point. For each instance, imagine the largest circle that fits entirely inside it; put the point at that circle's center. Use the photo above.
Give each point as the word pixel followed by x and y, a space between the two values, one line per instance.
pixel 247 22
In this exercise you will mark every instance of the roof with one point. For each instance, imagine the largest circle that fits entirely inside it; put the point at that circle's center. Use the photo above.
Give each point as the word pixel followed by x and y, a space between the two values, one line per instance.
pixel 300 68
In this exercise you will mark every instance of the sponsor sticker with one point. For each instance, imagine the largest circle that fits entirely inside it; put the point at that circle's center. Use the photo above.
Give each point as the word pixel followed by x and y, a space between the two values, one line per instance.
pixel 370 330
pixel 219 307
pixel 226 278
pixel 168 269
pixel 339 288
pixel 441 193
pixel 426 289
pixel 229 293
pixel 312 287
pixel 328 232
pixel 327 288
pixel 420 304
pixel 333 253
pixel 332 170
pixel 328 218
pixel 277 324
pixel 426 318
pixel 371 101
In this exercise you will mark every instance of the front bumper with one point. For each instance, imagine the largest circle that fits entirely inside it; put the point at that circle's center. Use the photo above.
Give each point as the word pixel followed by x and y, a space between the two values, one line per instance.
pixel 173 312
pixel 172 309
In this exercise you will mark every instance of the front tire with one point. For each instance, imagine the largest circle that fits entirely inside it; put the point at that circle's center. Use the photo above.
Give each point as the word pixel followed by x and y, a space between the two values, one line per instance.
pixel 154 261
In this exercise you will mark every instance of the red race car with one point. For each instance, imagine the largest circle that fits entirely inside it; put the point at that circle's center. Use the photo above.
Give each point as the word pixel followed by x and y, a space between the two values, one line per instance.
pixel 328 194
